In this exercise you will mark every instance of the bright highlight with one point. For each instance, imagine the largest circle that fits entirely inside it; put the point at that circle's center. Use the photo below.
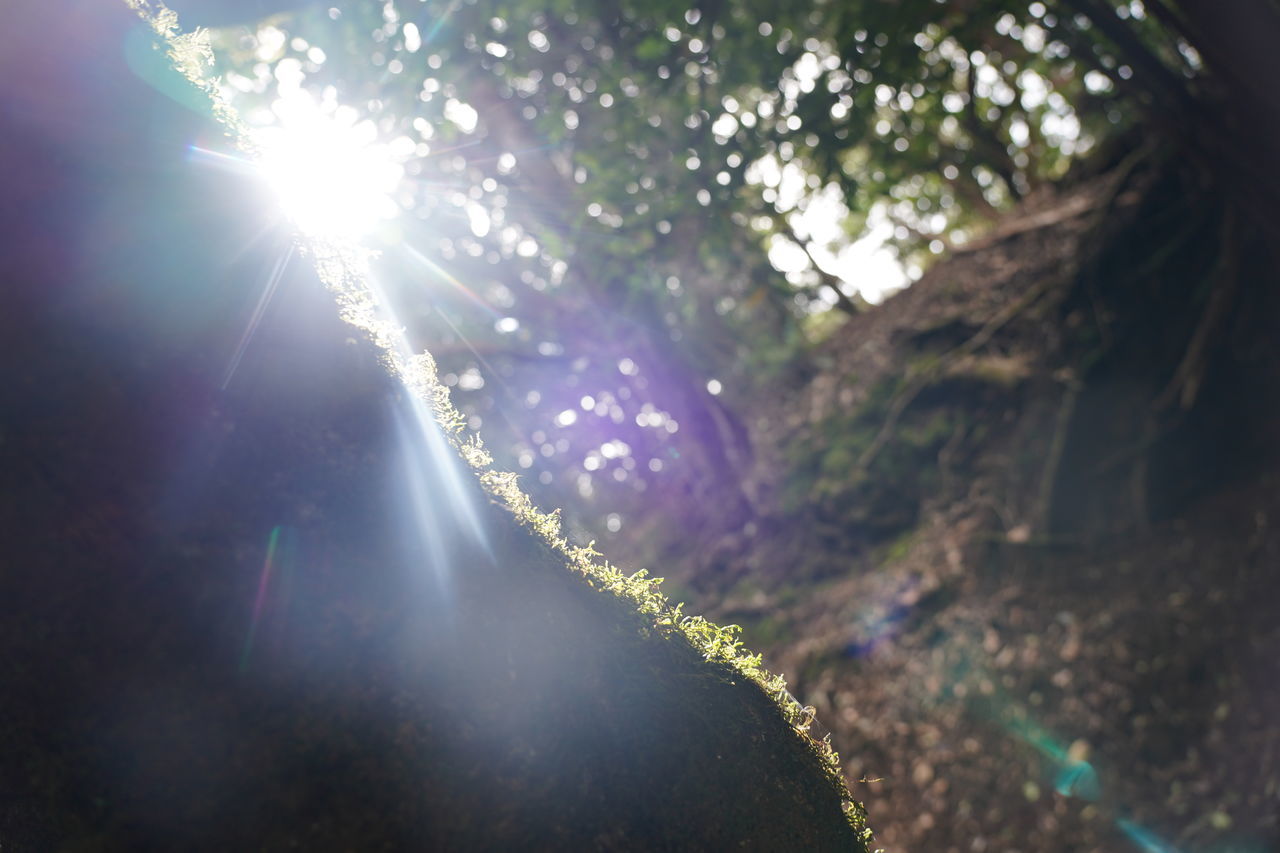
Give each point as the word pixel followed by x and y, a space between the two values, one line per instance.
pixel 333 178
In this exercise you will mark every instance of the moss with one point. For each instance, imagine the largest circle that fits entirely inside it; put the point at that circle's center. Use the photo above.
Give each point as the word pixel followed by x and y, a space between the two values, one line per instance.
pixel 896 549
pixel 343 269
pixel 825 473
pixel 718 645
pixel 1001 371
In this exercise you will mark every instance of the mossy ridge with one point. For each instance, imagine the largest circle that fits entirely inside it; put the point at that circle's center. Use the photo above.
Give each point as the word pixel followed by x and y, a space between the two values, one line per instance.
pixel 190 54
pixel 343 269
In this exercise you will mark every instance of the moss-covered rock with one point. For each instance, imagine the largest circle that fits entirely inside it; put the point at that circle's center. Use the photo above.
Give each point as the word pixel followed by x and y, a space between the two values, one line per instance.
pixel 242 611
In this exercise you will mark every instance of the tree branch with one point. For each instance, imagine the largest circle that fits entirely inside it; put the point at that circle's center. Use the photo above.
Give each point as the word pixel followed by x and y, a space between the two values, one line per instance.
pixel 843 301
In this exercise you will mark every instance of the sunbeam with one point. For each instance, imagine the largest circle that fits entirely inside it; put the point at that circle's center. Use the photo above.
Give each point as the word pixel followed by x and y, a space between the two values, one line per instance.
pixel 334 181
pixel 427 531
pixel 467 293
pixel 484 362
pixel 221 160
pixel 440 22
pixel 437 455
pixel 273 281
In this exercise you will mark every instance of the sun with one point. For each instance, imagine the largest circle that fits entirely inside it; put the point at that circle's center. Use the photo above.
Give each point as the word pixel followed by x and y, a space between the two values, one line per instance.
pixel 331 175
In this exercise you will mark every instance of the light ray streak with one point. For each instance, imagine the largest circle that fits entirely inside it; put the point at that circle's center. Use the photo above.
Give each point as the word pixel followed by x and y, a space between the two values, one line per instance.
pixel 1076 777
pixel 440 457
pixel 483 362
pixel 437 186
pixel 264 299
pixel 440 22
pixel 436 152
pixel 546 146
pixel 260 600
pixel 506 389
pixel 236 165
pixel 444 460
pixel 450 279
pixel 427 527
pixel 227 162
pixel 1146 840
pixel 243 166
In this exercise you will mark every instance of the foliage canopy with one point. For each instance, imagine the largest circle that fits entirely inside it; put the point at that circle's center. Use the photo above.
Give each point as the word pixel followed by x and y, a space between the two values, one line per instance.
pixel 621 209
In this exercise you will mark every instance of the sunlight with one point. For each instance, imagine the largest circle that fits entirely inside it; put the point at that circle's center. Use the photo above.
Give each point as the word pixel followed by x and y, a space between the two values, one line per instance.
pixel 333 178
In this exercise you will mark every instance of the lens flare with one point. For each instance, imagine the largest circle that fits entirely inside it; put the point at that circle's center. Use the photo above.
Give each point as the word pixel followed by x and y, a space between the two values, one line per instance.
pixel 425 447
pixel 332 176
pixel 260 600
pixel 259 310
pixel 1146 840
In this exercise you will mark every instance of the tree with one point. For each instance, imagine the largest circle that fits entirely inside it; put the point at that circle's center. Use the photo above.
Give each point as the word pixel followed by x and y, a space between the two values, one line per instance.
pixel 604 184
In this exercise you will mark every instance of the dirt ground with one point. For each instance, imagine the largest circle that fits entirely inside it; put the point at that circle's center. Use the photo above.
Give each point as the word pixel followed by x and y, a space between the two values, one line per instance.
pixel 1058 699
pixel 1030 620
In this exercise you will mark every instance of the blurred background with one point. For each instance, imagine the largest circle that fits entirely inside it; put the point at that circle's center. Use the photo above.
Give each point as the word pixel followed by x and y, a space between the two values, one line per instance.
pixel 933 343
